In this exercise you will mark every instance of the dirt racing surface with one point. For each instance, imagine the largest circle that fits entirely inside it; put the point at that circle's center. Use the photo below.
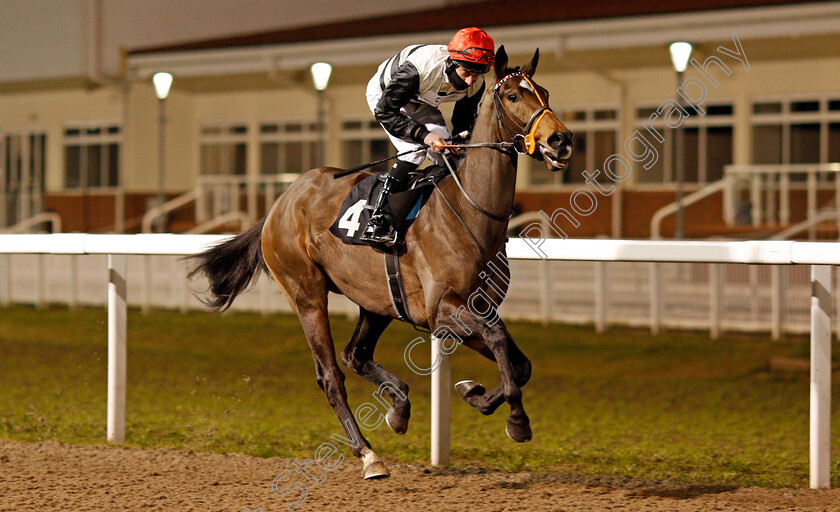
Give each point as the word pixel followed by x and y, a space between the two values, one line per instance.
pixel 52 476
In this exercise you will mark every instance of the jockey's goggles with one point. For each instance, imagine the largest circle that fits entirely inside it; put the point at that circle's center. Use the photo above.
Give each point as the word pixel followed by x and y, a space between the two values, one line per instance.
pixel 472 67
pixel 474 58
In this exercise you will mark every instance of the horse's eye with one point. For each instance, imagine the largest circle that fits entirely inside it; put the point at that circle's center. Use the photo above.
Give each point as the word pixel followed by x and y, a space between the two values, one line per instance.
pixel 513 98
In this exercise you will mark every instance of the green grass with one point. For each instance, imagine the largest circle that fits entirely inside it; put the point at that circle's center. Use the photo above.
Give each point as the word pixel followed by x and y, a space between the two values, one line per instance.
pixel 678 406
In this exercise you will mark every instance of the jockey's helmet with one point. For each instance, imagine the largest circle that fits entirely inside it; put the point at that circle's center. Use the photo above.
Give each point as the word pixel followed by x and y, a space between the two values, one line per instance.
pixel 472 49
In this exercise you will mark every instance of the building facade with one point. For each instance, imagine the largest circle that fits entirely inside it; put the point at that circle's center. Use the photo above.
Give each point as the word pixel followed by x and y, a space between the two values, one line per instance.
pixel 243 119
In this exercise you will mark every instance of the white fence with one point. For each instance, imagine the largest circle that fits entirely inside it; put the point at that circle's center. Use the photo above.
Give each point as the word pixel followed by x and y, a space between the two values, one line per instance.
pixel 665 260
pixel 717 297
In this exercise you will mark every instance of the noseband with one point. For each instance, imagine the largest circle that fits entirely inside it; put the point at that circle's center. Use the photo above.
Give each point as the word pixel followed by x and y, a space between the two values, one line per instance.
pixel 523 141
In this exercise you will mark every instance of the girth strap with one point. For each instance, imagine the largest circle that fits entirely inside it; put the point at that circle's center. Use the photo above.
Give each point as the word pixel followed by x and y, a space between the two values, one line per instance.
pixel 395 285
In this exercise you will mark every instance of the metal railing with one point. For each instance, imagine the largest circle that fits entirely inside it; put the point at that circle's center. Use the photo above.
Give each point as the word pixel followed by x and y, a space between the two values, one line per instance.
pixel 694 197
pixel 217 197
pixel 771 186
pixel 24 226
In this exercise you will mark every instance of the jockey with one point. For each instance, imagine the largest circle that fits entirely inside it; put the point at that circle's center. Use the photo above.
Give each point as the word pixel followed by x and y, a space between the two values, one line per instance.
pixel 404 95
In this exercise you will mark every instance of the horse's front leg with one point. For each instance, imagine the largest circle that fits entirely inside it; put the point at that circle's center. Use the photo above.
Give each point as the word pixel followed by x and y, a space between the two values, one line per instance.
pixel 475 394
pixel 496 338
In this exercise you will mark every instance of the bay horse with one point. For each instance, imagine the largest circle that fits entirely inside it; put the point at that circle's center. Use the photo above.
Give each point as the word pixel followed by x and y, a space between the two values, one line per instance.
pixel 446 249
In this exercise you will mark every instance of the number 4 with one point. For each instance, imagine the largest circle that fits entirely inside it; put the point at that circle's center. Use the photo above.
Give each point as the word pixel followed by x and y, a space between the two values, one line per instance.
pixel 350 220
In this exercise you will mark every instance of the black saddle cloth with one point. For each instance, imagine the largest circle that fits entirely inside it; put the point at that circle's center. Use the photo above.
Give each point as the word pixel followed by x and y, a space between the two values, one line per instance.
pixel 404 207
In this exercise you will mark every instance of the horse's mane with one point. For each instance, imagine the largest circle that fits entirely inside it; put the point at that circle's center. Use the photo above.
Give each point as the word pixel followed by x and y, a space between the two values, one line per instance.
pixel 486 99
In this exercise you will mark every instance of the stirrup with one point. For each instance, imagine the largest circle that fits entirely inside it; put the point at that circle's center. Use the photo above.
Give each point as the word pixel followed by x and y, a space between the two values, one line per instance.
pixel 379 230
pixel 388 238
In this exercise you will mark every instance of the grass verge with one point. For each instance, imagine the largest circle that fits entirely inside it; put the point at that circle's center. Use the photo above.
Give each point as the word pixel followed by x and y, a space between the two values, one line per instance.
pixel 678 406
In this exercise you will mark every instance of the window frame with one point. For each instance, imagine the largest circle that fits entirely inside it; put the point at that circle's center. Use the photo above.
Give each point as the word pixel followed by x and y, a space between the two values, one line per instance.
pixel 368 131
pixel 666 148
pixel 310 134
pixel 226 136
pixel 103 140
pixel 786 118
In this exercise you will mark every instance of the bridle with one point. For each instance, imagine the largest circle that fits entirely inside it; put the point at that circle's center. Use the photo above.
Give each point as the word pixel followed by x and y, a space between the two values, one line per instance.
pixel 522 143
pixel 523 140
pixel 525 137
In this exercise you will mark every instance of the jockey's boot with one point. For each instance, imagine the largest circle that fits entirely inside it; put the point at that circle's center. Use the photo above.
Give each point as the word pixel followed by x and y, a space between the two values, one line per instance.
pixel 380 227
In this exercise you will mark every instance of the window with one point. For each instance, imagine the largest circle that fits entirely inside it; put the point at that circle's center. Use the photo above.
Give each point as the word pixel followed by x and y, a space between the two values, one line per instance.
pixel 796 130
pixel 707 144
pixel 224 148
pixel 22 164
pixel 363 142
pixel 289 147
pixel 596 132
pixel 92 155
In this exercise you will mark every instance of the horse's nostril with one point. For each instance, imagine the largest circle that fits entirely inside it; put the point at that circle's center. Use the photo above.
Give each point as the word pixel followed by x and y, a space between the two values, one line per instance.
pixel 556 140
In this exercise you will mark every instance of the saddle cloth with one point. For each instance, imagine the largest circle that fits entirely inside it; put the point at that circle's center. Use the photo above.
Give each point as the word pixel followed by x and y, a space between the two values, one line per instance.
pixel 356 210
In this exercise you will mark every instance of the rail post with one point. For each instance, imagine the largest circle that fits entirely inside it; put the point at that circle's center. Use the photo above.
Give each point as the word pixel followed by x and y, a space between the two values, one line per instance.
pixel 441 384
pixel 5 280
pixel 715 299
pixel 777 298
pixel 820 438
pixel 117 328
pixel 601 296
pixel 655 271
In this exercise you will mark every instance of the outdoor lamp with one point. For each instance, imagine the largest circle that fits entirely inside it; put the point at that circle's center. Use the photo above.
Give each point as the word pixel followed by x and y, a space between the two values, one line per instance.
pixel 321 75
pixel 162 81
pixel 680 53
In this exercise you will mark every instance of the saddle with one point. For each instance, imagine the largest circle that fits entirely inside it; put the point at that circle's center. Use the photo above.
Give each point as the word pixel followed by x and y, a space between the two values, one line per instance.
pixel 403 207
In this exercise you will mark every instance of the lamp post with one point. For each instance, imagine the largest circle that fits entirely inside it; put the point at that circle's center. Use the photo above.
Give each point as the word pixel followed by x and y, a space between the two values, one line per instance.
pixel 162 82
pixel 321 72
pixel 680 53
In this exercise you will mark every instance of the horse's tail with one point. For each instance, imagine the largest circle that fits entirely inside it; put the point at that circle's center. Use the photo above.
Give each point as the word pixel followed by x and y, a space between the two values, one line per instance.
pixel 232 267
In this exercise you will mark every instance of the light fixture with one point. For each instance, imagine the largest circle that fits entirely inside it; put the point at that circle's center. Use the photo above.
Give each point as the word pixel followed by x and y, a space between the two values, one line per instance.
pixel 321 75
pixel 162 81
pixel 680 53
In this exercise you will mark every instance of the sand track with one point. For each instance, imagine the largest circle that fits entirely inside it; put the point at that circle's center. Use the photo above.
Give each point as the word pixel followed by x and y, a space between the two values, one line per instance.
pixel 51 476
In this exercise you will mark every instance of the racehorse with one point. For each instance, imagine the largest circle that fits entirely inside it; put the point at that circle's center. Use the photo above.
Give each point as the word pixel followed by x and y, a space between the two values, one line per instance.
pixel 446 248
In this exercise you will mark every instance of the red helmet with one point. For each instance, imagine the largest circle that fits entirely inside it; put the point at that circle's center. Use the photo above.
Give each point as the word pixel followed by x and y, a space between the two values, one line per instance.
pixel 472 49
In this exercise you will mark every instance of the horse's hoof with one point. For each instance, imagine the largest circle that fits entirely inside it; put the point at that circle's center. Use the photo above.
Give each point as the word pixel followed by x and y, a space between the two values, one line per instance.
pixel 374 468
pixel 519 433
pixel 375 471
pixel 469 389
pixel 397 423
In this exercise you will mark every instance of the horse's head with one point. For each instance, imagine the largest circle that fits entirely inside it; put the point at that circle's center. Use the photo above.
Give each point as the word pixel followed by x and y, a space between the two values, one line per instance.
pixel 523 113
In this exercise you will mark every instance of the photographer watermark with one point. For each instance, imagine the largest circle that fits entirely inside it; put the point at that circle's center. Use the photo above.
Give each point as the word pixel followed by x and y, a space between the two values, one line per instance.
pixel 481 304
pixel 295 484
pixel 640 146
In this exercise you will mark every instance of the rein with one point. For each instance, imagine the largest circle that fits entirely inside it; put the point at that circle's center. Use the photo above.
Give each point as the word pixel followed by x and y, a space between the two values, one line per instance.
pixel 526 138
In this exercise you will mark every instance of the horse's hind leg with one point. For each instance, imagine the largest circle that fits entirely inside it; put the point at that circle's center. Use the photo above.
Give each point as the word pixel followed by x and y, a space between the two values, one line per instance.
pixel 311 306
pixel 358 356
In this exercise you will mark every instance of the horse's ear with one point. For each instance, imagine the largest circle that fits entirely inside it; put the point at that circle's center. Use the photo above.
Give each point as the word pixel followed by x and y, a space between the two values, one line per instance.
pixel 531 67
pixel 501 63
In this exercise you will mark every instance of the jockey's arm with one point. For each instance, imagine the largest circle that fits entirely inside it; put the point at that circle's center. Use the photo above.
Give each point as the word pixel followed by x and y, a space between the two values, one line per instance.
pixel 405 85
pixel 464 112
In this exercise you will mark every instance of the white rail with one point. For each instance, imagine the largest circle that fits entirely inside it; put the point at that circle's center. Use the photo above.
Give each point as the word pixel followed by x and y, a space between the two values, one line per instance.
pixel 821 257
pixel 694 197
pixel 160 210
pixel 25 225
pixel 770 188
pixel 799 227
